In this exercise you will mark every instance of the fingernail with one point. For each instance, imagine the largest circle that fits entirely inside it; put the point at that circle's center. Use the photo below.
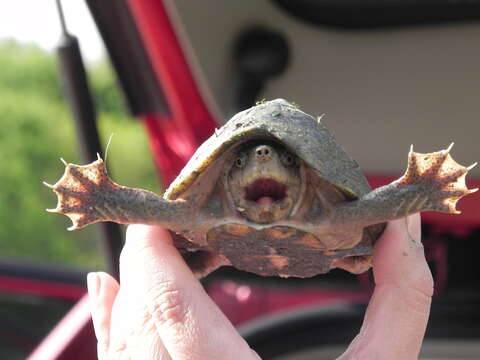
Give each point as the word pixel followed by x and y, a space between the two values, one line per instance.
pixel 414 229
pixel 93 285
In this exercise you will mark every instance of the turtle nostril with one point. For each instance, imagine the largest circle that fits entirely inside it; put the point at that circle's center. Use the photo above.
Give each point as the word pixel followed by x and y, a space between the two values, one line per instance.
pixel 263 153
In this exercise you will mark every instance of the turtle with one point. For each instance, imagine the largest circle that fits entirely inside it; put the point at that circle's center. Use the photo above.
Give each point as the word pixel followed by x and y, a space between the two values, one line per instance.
pixel 270 192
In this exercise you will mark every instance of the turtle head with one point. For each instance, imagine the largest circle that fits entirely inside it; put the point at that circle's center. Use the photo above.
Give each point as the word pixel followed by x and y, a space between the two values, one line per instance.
pixel 264 181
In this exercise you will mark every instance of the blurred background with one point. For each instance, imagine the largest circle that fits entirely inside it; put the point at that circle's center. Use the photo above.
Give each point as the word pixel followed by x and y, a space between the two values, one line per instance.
pixel 160 76
pixel 38 129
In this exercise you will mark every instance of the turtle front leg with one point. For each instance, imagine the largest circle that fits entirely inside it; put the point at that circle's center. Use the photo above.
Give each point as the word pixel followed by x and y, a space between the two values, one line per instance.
pixel 432 181
pixel 87 195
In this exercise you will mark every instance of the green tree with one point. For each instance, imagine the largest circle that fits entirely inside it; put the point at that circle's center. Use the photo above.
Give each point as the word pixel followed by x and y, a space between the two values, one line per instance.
pixel 36 130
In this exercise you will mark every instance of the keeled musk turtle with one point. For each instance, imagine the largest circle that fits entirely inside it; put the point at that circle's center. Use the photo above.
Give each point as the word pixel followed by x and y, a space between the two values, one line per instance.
pixel 271 192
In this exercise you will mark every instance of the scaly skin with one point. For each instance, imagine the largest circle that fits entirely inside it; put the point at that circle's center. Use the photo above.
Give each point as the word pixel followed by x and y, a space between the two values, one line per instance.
pixel 87 195
pixel 432 181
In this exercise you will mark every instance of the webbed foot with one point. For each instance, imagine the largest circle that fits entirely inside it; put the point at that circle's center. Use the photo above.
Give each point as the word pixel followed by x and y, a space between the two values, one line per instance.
pixel 86 194
pixel 438 180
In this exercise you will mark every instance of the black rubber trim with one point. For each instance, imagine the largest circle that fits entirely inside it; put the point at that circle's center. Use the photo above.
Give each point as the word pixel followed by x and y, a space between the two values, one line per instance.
pixel 371 14
pixel 42 272
pixel 304 328
pixel 453 316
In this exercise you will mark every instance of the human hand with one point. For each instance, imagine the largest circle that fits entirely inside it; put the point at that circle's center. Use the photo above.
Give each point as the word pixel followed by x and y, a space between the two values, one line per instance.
pixel 398 311
pixel 162 312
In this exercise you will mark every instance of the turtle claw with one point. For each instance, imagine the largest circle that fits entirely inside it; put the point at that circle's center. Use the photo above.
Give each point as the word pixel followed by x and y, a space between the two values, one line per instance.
pixel 472 166
pixel 439 180
pixel 81 193
pixel 48 185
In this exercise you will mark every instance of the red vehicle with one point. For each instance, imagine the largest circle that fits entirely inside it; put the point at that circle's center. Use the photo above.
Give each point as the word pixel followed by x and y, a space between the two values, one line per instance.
pixel 160 60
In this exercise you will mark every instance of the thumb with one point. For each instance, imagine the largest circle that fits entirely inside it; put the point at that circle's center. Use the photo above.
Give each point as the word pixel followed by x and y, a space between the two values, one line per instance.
pixel 190 325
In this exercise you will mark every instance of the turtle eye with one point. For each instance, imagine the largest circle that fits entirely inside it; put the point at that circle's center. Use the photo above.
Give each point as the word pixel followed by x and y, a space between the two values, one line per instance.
pixel 240 161
pixel 287 159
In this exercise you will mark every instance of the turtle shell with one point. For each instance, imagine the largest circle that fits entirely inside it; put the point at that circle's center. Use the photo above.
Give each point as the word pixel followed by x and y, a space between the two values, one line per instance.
pixel 299 132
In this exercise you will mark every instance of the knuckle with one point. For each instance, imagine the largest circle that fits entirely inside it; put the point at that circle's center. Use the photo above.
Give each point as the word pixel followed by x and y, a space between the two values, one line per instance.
pixel 424 285
pixel 168 305
pixel 421 286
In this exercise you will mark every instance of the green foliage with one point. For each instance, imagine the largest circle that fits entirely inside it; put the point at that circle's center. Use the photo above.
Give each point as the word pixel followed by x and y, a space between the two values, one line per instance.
pixel 107 93
pixel 36 130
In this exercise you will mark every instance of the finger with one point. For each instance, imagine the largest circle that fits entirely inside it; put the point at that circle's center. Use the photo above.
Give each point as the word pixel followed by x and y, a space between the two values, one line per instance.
pixel 102 291
pixel 397 315
pixel 133 336
pixel 399 257
pixel 189 323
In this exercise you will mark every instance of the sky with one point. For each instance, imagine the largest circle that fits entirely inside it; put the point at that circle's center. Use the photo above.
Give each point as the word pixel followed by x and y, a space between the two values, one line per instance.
pixel 37 21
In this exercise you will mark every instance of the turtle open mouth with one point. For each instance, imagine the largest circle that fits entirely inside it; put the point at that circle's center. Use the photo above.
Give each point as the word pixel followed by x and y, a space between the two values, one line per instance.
pixel 265 191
